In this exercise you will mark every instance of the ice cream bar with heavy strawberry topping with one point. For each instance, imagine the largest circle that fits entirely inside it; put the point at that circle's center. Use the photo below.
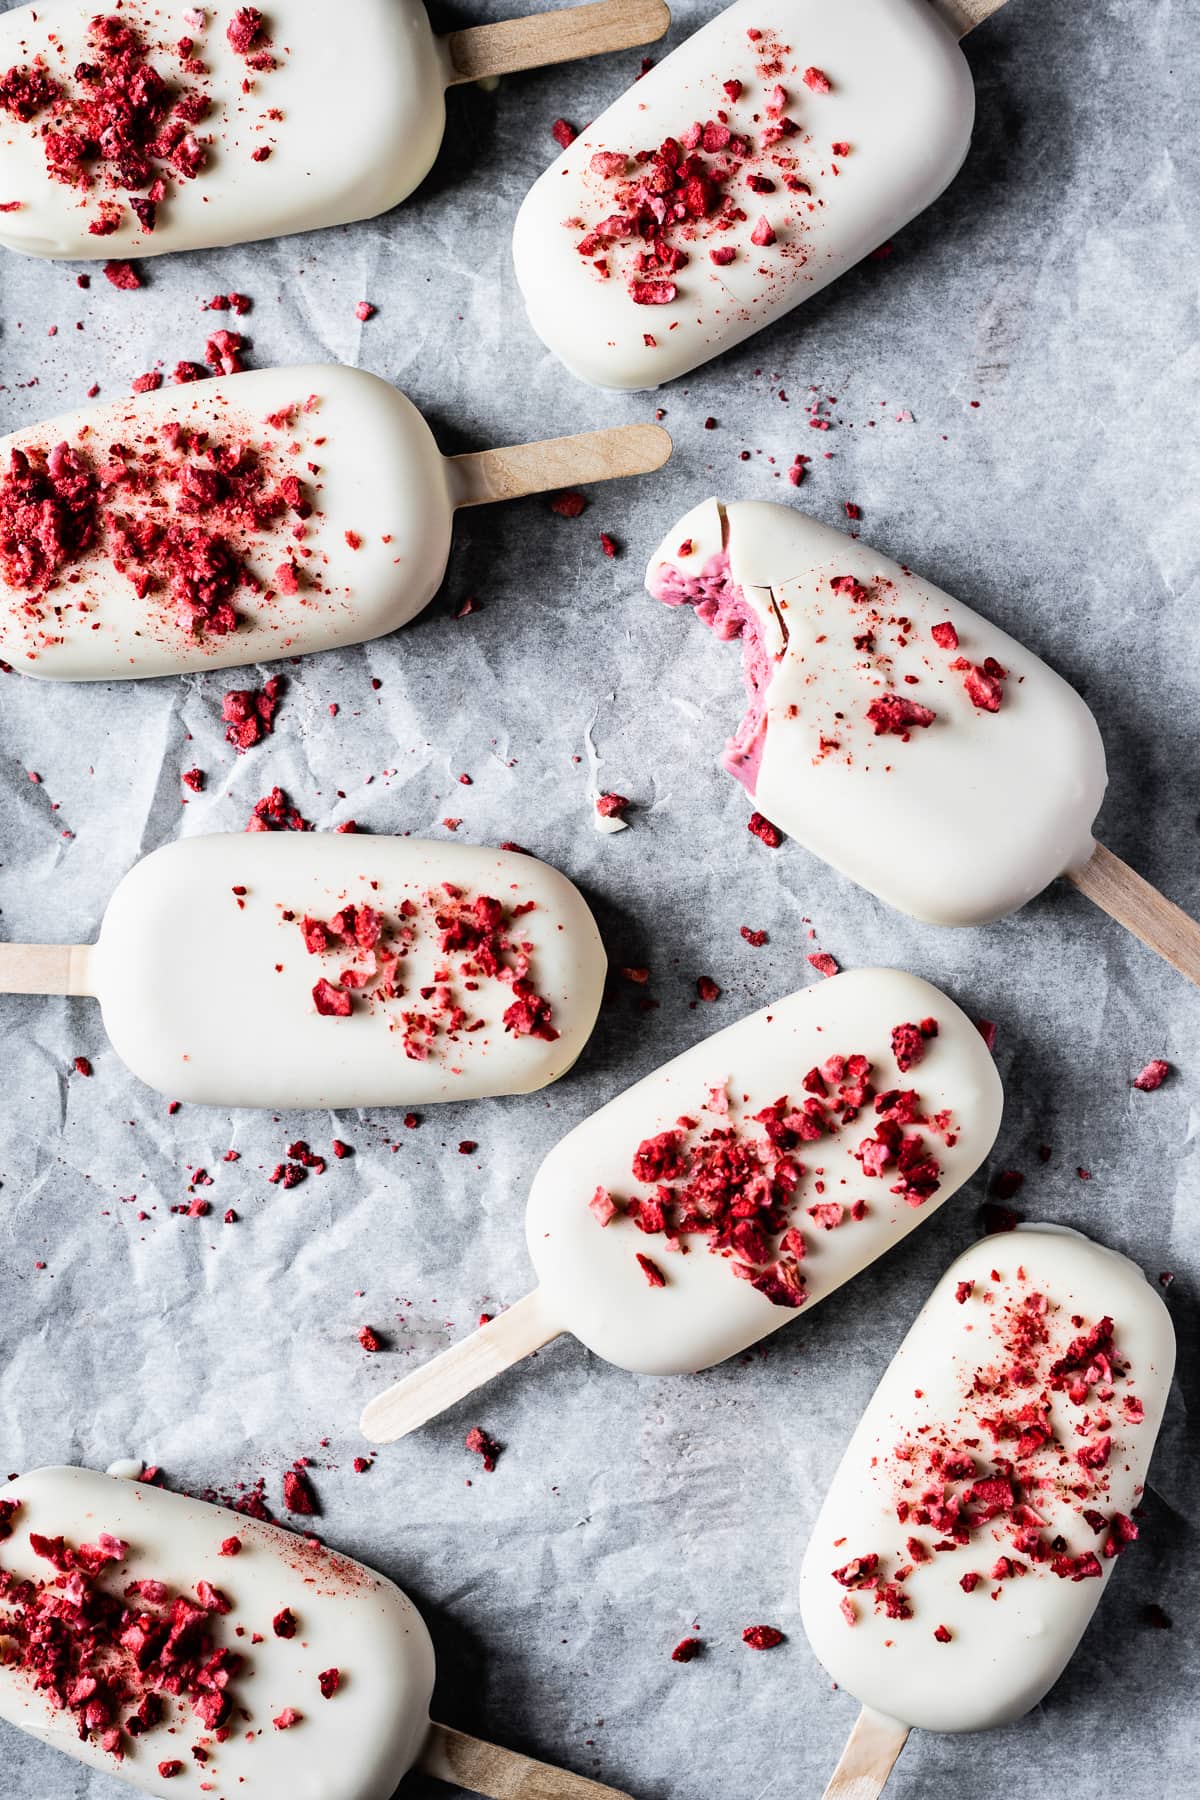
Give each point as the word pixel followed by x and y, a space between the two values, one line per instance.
pixel 891 730
pixel 992 1484
pixel 210 523
pixel 149 126
pixel 185 1648
pixel 760 1170
pixel 329 969
pixel 750 168
pixel 218 523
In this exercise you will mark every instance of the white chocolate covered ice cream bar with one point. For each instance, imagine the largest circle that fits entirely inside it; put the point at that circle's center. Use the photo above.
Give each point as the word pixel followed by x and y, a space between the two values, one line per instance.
pixel 185 1648
pixel 749 169
pixel 898 735
pixel 983 1500
pixel 745 1180
pixel 144 128
pixel 335 970
pixel 238 520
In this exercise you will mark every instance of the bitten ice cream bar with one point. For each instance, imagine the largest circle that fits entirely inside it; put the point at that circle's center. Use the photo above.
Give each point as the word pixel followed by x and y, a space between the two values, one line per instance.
pixel 740 1183
pixel 330 969
pixel 897 734
pixel 152 127
pixel 260 515
pixel 982 1503
pixel 186 1649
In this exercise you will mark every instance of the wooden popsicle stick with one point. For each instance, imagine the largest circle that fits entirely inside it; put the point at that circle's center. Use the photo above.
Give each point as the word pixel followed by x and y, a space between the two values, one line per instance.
pixel 964 15
pixel 503 1774
pixel 458 1371
pixel 869 1757
pixel 554 37
pixel 486 475
pixel 1122 893
pixel 45 969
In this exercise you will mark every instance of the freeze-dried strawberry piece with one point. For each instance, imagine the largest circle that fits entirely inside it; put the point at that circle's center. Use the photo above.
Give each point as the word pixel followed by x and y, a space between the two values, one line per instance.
pixel 817 80
pixel 483 1445
pixel 568 504
pixel 612 806
pixel 602 1206
pixel 287 1718
pixel 651 1271
pixel 249 714
pixel 762 1637
pixel 563 134
pixel 763 829
pixel 1152 1076
pixel 823 963
pixel 763 233
pixel 284 1623
pixel 298 1495
pixel 122 275
pixel 706 988
pixel 246 30
pixel 984 682
pixel 687 1649
pixel 370 1339
pixel 908 1046
pixel 653 293
pixel 329 1681
pixel 898 715
pixel 332 1002
pixel 660 1158
pixel 945 636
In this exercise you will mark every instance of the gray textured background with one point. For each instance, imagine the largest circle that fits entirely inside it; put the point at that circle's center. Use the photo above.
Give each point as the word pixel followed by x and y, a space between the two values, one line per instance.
pixel 1056 283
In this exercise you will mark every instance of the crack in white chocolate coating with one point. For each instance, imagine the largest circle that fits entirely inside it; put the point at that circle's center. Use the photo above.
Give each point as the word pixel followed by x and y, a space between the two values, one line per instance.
pixel 207 987
pixel 900 108
pixel 358 1744
pixel 352 116
pixel 589 1274
pixel 958 822
pixel 1008 1639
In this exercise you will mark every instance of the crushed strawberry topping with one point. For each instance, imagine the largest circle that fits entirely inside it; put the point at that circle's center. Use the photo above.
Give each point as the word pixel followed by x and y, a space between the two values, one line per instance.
pixel 178 511
pixel 120 1659
pixel 1020 1475
pixel 740 1187
pixel 117 125
pixel 477 939
pixel 653 214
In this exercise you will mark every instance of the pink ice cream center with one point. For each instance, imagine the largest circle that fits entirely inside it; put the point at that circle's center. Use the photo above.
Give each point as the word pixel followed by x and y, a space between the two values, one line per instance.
pixel 721 605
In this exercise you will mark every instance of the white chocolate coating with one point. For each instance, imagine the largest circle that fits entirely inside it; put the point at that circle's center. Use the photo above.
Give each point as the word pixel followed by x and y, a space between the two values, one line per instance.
pixel 379 476
pixel 972 815
pixel 211 1001
pixel 901 97
pixel 588 1273
pixel 1005 1653
pixel 361 99
pixel 358 1744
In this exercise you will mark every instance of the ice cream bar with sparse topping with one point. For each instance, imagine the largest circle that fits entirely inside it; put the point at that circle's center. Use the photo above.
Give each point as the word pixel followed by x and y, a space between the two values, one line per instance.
pixel 150 127
pixel 335 970
pixel 891 730
pixel 992 1484
pixel 754 165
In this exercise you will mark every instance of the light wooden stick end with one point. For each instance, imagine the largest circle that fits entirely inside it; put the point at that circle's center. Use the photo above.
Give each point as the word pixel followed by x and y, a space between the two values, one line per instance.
pixel 1128 898
pixel 485 1768
pixel 460 1370
pixel 869 1757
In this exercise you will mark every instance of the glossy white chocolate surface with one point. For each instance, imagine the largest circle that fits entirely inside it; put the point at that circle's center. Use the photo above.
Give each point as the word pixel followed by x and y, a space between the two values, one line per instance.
pixel 901 98
pixel 588 1273
pixel 971 816
pixel 207 994
pixel 368 466
pixel 357 1744
pixel 359 94
pixel 1005 1652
